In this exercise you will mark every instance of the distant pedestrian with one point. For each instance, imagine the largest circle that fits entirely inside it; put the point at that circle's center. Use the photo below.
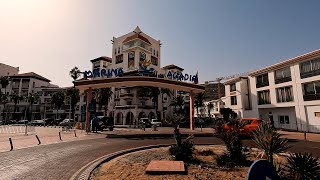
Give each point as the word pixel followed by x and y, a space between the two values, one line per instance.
pixel 95 124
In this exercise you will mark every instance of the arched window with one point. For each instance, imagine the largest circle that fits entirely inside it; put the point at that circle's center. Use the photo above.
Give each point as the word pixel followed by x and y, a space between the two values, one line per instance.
pixel 142 58
pixel 131 59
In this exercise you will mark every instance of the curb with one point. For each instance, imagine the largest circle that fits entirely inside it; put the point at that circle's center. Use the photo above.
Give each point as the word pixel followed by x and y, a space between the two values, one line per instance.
pixel 85 172
pixel 156 135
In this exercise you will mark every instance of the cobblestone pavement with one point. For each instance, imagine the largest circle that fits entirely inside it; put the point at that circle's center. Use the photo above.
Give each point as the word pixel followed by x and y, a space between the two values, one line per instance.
pixel 62 160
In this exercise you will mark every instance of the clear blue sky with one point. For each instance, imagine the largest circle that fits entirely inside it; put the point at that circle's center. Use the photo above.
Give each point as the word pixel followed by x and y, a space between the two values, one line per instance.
pixel 214 37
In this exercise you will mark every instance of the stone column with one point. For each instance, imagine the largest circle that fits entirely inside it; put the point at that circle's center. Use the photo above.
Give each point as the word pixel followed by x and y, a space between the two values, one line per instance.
pixel 89 97
pixel 191 110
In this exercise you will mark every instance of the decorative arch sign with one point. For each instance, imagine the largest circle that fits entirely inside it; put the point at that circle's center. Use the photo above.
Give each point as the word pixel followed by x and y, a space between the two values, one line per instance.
pixel 262 170
pixel 118 72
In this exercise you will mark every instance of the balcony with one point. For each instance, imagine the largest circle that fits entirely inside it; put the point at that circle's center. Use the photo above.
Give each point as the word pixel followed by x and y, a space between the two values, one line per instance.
pixel 309 74
pixel 259 85
pixel 126 95
pixel 282 80
pixel 136 43
pixel 311 97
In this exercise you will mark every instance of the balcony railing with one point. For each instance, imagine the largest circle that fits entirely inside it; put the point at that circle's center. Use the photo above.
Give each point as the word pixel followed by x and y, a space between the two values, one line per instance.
pixel 136 44
pixel 259 85
pixel 126 95
pixel 282 80
pixel 262 102
pixel 309 74
pixel 311 97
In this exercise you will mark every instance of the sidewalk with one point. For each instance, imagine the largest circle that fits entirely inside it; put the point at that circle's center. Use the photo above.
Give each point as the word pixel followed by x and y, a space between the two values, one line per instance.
pixel 161 132
pixel 47 135
pixel 300 136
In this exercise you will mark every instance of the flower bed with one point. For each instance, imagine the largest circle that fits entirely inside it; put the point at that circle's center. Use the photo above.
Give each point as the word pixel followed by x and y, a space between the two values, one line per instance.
pixel 133 165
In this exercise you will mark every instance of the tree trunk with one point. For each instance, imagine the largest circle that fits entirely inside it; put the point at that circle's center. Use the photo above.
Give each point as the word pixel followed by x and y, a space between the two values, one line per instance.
pixel 270 158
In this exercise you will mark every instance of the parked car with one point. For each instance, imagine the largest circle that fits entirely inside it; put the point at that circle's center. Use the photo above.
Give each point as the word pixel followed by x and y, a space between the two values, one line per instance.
pixel 156 122
pixel 145 122
pixel 105 123
pixel 245 125
pixel 10 122
pixel 22 122
pixel 67 122
pixel 49 122
pixel 37 123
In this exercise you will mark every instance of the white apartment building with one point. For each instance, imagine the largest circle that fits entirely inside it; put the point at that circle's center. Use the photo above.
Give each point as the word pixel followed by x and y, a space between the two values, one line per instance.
pixel 6 70
pixel 134 52
pixel 287 93
pixel 24 84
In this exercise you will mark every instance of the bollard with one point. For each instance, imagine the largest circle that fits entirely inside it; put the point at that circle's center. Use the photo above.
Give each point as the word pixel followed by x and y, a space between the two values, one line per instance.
pixel 305 135
pixel 60 135
pixel 75 134
pixel 26 130
pixel 11 145
pixel 38 139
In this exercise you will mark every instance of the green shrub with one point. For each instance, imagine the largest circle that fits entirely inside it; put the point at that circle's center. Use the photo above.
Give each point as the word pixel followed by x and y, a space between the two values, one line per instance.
pixel 303 167
pixel 235 154
pixel 269 140
pixel 184 152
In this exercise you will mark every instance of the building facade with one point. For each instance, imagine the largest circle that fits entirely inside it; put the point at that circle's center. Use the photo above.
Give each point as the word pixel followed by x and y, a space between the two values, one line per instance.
pixel 287 93
pixel 25 84
pixel 136 54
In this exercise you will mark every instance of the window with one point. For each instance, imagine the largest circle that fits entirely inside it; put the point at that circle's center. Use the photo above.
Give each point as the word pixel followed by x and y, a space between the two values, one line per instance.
pixel 284 120
pixel 284 94
pixel 154 52
pixel 142 58
pixel 118 50
pixel 262 80
pixel 232 87
pixel 317 114
pixel 119 59
pixel 128 91
pixel 264 97
pixel 282 75
pixel 129 102
pixel 154 60
pixel 233 100
pixel 115 51
pixel 311 91
pixel 131 59
pixel 157 54
pixel 310 68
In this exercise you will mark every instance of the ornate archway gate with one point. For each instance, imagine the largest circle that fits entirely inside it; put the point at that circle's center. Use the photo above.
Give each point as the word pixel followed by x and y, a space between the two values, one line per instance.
pixel 96 83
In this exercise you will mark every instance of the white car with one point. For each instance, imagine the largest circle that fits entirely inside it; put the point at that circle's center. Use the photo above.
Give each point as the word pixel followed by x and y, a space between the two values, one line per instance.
pixel 156 122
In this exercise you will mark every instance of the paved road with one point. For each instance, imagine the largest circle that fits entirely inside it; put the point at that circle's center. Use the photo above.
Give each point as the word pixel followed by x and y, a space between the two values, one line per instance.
pixel 62 160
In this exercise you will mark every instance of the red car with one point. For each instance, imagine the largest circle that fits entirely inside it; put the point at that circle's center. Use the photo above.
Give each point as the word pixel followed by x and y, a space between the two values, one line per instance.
pixel 246 125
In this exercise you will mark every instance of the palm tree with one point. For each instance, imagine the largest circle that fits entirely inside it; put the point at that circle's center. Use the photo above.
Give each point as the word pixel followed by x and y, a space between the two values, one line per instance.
pixel 75 73
pixel 226 113
pixel 3 101
pixel 151 92
pixel 4 81
pixel 178 102
pixel 57 100
pixel 32 98
pixel 269 140
pixel 199 101
pixel 74 95
pixel 209 106
pixel 303 166
pixel 102 97
pixel 15 98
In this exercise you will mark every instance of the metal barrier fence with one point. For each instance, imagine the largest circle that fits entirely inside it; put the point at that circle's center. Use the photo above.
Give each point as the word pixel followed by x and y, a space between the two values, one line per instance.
pixel 15 129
